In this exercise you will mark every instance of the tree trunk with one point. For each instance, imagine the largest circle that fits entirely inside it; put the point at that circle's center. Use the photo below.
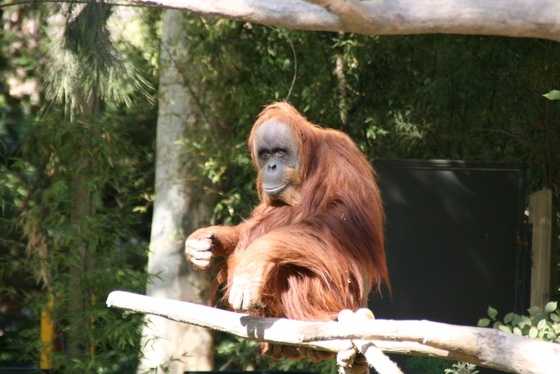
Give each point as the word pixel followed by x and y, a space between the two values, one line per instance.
pixel 78 325
pixel 81 211
pixel 80 294
pixel 169 345
pixel 340 75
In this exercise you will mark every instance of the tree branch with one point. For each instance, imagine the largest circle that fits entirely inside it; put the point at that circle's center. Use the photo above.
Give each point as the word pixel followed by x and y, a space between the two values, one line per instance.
pixel 480 346
pixel 513 18
pixel 352 14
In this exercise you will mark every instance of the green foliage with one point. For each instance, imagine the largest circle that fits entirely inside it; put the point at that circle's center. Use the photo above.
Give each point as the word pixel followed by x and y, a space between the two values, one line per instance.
pixel 44 153
pixel 424 365
pixel 461 368
pixel 552 95
pixel 540 323
pixel 117 253
pixel 236 353
pixel 17 303
pixel 233 353
pixel 406 97
pixel 86 68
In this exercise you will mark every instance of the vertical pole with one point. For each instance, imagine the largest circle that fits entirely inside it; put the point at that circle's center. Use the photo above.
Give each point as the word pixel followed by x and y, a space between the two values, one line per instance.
pixel 47 335
pixel 540 215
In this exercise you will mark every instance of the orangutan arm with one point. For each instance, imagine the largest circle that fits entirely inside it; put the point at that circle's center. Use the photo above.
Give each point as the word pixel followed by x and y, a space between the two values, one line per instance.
pixel 207 242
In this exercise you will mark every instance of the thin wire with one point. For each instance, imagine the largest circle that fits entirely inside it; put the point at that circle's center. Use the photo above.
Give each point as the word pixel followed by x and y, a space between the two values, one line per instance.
pixel 295 67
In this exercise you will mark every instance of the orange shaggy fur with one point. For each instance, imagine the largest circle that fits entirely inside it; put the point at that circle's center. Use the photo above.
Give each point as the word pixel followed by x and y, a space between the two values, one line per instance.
pixel 325 251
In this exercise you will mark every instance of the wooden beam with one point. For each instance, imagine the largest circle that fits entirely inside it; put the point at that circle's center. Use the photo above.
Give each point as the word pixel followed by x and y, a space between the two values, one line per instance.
pixel 540 215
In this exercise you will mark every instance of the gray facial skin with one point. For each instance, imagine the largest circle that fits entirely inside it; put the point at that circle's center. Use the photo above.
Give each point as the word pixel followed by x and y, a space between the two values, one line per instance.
pixel 277 150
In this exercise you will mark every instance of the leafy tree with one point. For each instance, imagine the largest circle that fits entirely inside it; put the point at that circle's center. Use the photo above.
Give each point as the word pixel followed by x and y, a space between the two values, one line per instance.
pixel 108 147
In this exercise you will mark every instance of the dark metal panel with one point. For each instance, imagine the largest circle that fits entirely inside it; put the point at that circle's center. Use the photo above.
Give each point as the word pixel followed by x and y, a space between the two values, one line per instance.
pixel 453 230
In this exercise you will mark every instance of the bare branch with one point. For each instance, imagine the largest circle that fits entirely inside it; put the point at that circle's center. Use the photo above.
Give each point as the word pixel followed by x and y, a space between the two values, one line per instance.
pixel 519 18
pixel 379 360
pixel 31 2
pixel 484 347
pixel 352 13
pixel 513 18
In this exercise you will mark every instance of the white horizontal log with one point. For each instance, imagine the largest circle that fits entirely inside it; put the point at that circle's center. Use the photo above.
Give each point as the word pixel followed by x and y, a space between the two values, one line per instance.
pixel 481 346
pixel 485 347
pixel 514 18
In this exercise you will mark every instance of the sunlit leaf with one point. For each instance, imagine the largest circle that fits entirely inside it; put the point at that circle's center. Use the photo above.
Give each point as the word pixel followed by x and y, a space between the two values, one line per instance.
pixel 533 332
pixel 551 306
pixel 553 95
pixel 483 322
pixel 505 328
pixel 492 313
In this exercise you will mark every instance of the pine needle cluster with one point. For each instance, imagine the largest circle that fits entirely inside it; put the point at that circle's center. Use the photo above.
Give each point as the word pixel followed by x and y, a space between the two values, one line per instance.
pixel 85 67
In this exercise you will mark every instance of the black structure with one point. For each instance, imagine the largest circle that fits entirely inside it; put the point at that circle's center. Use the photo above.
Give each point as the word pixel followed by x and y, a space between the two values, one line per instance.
pixel 454 240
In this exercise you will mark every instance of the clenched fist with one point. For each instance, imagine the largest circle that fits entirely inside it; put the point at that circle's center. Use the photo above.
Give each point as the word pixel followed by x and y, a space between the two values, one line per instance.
pixel 199 248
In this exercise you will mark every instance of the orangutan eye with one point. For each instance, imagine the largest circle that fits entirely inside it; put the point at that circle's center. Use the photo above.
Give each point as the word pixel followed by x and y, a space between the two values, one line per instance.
pixel 264 154
pixel 280 152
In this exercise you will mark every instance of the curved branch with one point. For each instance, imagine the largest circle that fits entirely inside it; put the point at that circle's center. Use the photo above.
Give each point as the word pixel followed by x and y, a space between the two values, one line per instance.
pixel 352 13
pixel 484 347
pixel 517 18
pixel 513 18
